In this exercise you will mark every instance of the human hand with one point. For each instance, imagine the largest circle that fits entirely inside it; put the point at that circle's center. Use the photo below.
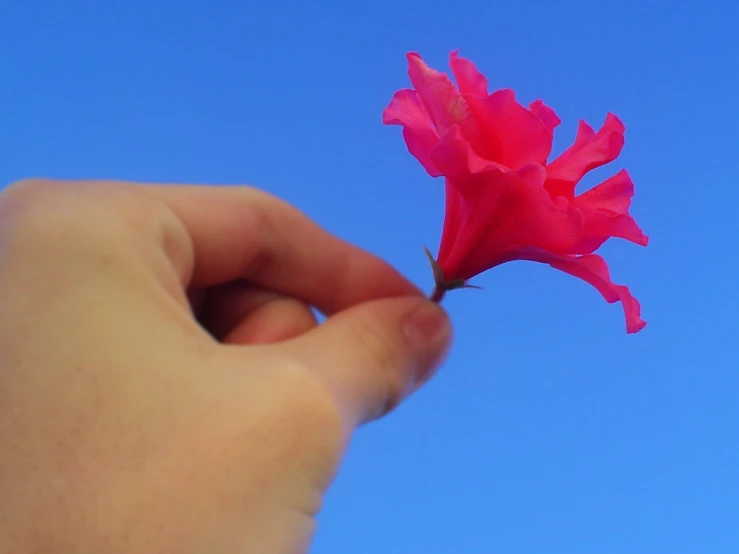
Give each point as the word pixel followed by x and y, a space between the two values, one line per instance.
pixel 164 386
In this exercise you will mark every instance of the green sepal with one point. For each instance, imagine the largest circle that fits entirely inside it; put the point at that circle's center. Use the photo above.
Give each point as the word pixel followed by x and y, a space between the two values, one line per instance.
pixel 439 281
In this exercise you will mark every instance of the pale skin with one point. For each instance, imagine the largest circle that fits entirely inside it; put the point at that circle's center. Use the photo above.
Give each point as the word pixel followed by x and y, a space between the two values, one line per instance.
pixel 164 385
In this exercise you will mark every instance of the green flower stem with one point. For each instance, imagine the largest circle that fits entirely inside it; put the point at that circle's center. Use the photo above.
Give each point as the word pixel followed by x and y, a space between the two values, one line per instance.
pixel 437 295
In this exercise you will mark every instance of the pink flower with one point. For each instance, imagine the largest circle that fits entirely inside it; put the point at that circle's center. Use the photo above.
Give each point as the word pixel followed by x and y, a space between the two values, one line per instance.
pixel 505 200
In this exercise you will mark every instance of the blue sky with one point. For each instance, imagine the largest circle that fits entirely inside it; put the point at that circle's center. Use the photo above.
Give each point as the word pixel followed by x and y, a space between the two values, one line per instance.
pixel 549 430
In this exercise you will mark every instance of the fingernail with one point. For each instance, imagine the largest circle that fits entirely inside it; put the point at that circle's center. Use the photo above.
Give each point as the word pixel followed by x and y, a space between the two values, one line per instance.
pixel 429 332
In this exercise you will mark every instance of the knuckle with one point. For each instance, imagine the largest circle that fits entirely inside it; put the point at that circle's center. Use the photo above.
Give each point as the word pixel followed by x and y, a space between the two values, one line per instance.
pixel 313 403
pixel 21 195
pixel 296 417
pixel 258 224
pixel 36 194
pixel 28 210
pixel 263 220
pixel 68 213
pixel 308 419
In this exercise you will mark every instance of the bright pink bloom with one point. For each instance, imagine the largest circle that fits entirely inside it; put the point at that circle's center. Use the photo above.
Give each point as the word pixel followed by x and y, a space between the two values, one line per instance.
pixel 504 199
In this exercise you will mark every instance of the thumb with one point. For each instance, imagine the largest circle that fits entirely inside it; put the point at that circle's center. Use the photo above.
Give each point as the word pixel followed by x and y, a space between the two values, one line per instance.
pixel 374 354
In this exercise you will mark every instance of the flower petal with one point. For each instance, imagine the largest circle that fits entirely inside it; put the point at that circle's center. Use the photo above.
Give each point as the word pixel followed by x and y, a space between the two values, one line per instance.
pixel 456 160
pixel 509 210
pixel 613 194
pixel 438 94
pixel 589 151
pixel 509 133
pixel 456 215
pixel 469 79
pixel 420 136
pixel 547 115
pixel 594 270
pixel 605 213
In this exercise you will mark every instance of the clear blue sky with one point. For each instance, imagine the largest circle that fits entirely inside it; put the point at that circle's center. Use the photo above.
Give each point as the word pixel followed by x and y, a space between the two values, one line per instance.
pixel 549 430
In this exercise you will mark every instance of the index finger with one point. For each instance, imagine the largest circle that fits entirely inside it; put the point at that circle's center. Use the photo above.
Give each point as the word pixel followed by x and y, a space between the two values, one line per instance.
pixel 240 232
